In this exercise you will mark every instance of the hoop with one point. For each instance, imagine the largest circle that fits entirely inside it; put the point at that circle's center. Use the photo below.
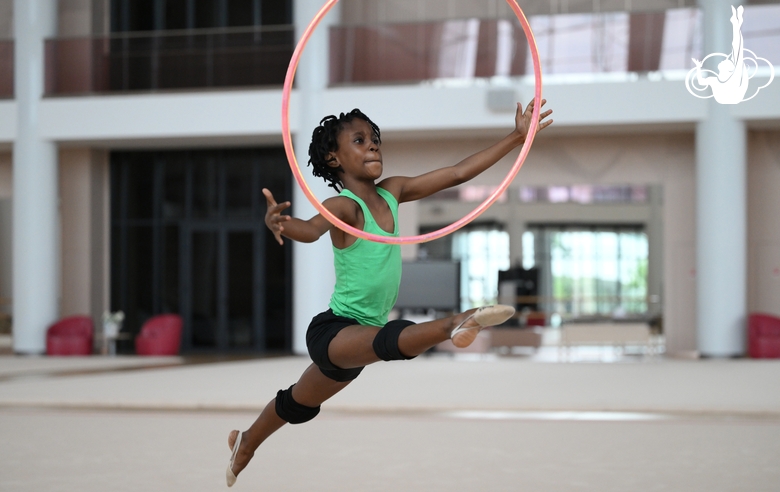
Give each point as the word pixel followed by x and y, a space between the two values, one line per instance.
pixel 288 146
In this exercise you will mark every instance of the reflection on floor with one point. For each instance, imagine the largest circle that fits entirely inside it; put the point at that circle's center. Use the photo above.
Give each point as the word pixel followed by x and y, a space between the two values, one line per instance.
pixel 553 350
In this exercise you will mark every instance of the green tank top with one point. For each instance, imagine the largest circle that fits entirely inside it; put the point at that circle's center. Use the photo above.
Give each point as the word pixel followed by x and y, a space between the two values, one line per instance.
pixel 368 274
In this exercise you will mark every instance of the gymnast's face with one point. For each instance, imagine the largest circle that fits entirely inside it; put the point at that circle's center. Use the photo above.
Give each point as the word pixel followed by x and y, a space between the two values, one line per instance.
pixel 359 153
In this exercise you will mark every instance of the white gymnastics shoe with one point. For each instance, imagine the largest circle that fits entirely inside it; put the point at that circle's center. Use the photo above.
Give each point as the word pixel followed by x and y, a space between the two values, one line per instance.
pixel 229 475
pixel 485 316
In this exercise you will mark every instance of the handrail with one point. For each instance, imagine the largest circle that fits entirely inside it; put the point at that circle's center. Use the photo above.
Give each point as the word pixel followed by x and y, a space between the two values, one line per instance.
pixel 182 32
pixel 164 60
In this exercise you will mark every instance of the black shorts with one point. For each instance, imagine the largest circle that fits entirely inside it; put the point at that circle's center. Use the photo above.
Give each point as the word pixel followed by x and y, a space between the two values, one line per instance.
pixel 323 328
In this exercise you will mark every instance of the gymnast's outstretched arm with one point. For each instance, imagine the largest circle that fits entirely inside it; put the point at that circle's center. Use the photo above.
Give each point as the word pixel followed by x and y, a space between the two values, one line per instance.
pixel 408 189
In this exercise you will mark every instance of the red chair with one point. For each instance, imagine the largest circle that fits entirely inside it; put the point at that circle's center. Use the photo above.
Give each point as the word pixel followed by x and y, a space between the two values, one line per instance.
pixel 764 336
pixel 70 336
pixel 160 335
pixel 536 319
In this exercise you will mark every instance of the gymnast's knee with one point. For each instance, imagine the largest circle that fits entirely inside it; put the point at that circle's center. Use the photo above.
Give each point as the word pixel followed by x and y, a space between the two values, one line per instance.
pixel 386 341
pixel 291 411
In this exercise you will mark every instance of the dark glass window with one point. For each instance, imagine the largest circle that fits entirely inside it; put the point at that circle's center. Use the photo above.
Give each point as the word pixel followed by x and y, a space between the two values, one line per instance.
pixel 178 14
pixel 238 203
pixel 205 198
pixel 240 271
pixel 158 15
pixel 174 187
pixel 203 316
pixel 188 237
pixel 140 254
pixel 244 13
pixel 140 178
pixel 171 271
pixel 207 14
pixel 276 12
pixel 132 15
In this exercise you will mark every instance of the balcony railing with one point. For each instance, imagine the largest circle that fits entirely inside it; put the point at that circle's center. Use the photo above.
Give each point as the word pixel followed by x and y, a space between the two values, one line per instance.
pixel 615 42
pixel 6 69
pixel 408 52
pixel 193 59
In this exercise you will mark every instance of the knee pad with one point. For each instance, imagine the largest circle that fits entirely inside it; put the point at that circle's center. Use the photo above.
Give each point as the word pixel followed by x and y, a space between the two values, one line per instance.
pixel 386 340
pixel 291 411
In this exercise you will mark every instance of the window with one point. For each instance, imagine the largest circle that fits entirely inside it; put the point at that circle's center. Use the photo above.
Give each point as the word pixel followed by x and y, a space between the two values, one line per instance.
pixel 585 194
pixel 482 251
pixel 160 15
pixel 188 237
pixel 529 250
pixel 182 44
pixel 596 272
pixel 581 43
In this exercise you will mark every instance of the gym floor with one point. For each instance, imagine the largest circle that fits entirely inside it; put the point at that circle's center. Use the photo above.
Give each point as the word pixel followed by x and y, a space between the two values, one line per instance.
pixel 436 423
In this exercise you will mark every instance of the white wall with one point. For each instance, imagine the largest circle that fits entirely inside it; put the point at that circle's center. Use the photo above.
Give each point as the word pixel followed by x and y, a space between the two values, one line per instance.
pixel 163 119
pixel 6 19
pixel 84 222
pixel 75 229
pixel 421 112
pixel 6 216
pixel 764 222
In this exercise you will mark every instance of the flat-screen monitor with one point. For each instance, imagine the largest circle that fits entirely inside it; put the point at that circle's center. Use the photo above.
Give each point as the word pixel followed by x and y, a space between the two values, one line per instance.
pixel 430 285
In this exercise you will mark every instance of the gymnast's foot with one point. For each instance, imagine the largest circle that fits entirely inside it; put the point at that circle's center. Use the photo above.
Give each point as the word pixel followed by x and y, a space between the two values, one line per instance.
pixel 466 332
pixel 241 456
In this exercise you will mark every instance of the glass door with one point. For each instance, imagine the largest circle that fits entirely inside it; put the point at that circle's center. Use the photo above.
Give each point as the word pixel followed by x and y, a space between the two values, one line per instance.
pixel 188 237
pixel 222 287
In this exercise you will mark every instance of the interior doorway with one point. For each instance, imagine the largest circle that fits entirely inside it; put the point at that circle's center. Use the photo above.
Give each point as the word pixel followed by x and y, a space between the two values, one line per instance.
pixel 188 237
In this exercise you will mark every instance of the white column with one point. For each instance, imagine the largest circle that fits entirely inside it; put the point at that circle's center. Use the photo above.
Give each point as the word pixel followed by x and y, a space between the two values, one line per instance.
pixel 313 274
pixel 655 250
pixel 516 227
pixel 35 226
pixel 721 210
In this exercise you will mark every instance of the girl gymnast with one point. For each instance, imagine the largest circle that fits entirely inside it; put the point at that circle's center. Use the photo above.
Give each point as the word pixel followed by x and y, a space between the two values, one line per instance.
pixel 355 332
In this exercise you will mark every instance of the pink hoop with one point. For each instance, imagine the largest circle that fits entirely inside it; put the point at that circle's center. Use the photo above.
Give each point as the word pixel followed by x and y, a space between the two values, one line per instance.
pixel 288 146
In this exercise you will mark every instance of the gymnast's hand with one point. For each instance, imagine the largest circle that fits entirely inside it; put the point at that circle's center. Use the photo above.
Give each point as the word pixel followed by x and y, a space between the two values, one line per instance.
pixel 523 119
pixel 273 217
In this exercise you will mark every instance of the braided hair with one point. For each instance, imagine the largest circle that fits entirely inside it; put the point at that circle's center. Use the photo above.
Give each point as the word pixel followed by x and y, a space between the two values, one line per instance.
pixel 324 140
